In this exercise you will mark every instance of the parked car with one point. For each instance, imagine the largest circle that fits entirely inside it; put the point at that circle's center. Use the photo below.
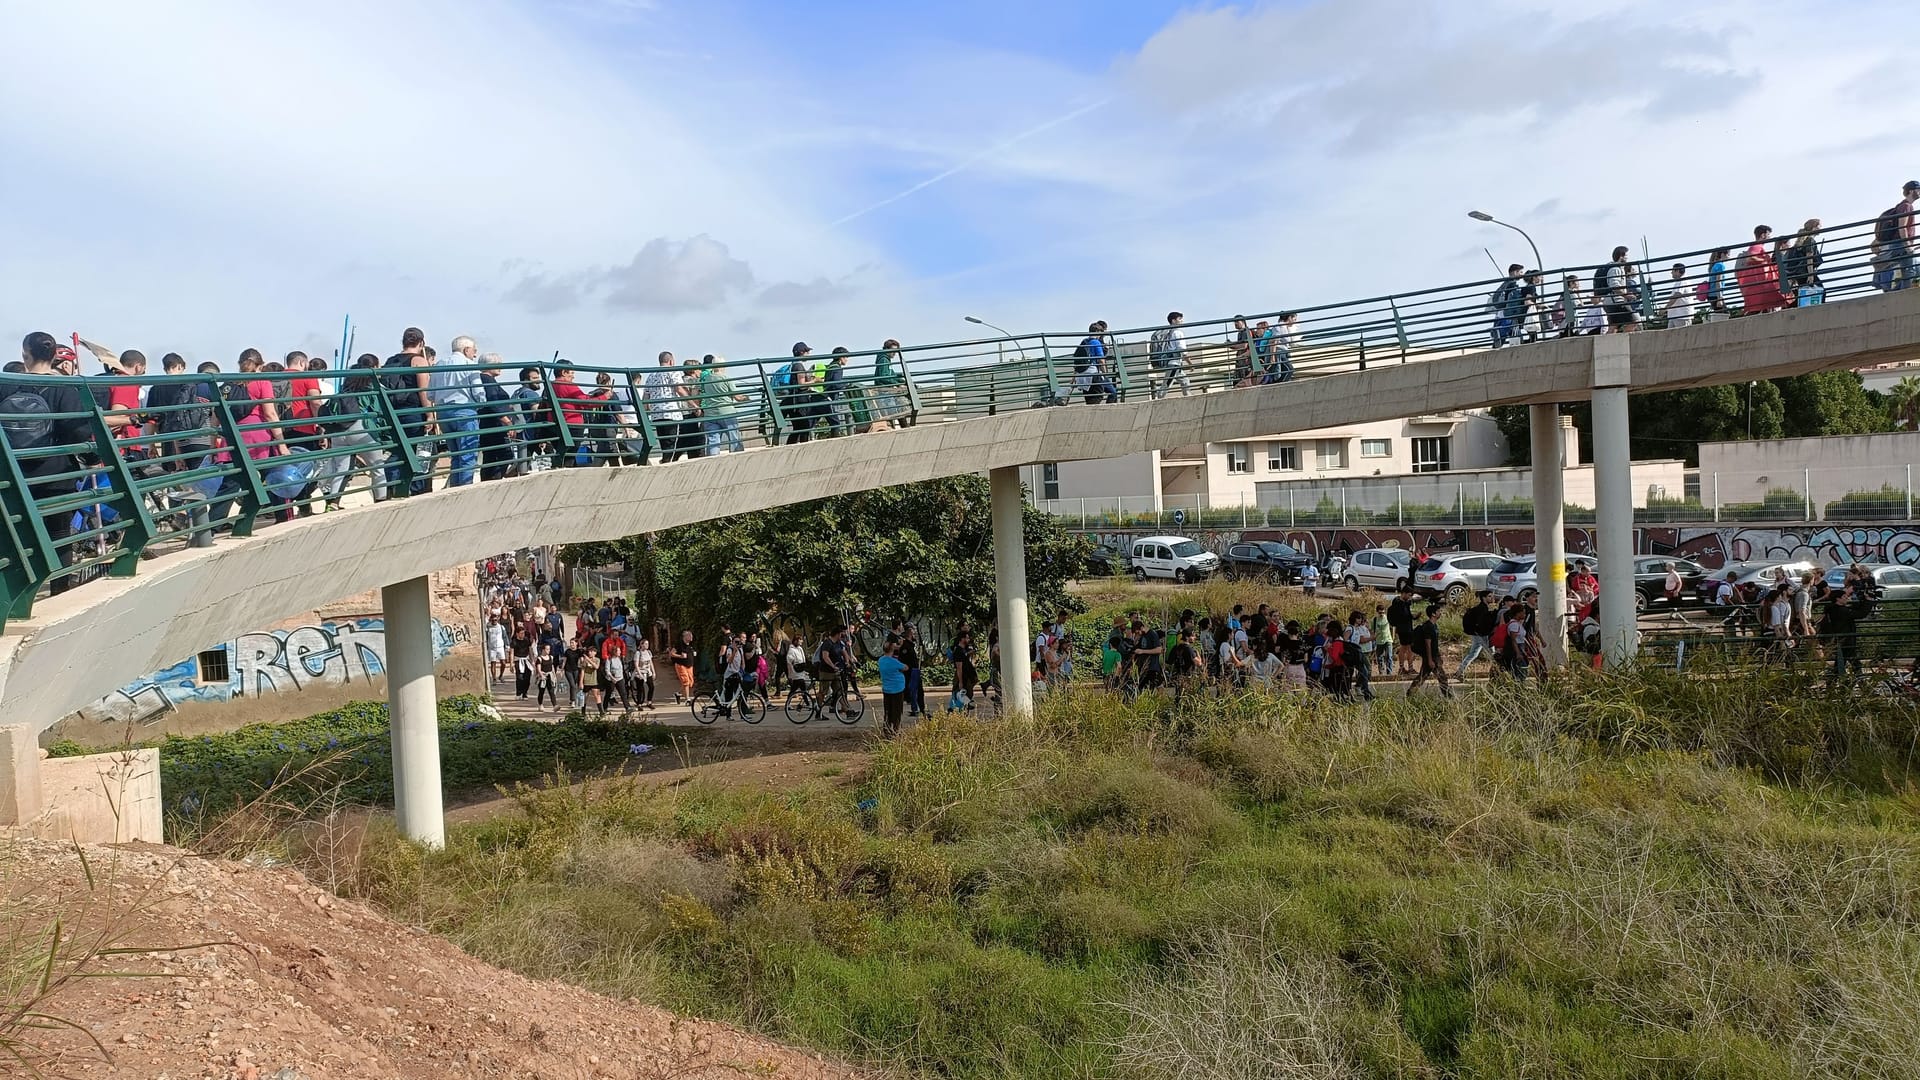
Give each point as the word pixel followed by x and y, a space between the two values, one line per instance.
pixel 1269 560
pixel 1105 560
pixel 1175 557
pixel 1454 575
pixel 1650 580
pixel 1895 582
pixel 1519 576
pixel 1379 568
pixel 1757 574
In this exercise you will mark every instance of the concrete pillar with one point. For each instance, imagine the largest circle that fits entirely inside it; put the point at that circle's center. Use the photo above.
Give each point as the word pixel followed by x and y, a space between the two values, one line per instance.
pixel 20 797
pixel 1550 528
pixel 1010 590
pixel 1613 494
pixel 414 708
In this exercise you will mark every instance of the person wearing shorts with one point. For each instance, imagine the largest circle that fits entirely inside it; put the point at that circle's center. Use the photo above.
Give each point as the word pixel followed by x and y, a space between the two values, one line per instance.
pixel 683 655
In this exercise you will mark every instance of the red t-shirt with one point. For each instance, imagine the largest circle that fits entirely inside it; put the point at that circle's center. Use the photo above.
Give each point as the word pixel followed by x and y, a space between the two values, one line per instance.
pixel 126 398
pixel 569 393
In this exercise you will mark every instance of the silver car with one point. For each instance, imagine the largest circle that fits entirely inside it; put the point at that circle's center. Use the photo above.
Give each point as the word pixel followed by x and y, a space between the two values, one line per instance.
pixel 1385 569
pixel 1455 575
pixel 1895 582
pixel 1518 577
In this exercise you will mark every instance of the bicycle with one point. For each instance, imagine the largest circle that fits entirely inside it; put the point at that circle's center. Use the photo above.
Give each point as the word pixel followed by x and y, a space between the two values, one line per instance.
pixel 802 705
pixel 751 701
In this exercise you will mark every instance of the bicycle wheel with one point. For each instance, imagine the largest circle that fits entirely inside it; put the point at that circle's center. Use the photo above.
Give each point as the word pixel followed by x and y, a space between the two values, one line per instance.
pixel 752 706
pixel 853 707
pixel 705 708
pixel 799 707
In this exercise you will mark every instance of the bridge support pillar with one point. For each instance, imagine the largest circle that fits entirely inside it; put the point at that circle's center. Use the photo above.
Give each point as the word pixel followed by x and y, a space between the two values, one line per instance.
pixel 20 796
pixel 414 709
pixel 1550 528
pixel 1010 589
pixel 1613 496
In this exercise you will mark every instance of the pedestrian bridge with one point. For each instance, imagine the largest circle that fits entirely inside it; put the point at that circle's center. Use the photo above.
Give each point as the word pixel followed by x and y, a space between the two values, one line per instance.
pixel 79 645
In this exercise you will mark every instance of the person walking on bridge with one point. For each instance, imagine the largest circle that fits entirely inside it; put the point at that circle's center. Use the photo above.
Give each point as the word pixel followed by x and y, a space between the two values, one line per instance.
pixel 1758 275
pixel 1894 263
pixel 1169 357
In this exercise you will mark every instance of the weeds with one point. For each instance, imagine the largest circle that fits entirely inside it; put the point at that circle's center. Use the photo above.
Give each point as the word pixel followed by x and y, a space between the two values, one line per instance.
pixel 1631 877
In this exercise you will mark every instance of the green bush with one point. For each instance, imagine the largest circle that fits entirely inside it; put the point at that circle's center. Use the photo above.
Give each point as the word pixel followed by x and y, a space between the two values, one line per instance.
pixel 1887 503
pixel 1639 876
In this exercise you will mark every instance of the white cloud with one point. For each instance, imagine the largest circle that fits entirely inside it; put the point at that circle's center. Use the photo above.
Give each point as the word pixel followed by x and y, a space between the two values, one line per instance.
pixel 674 276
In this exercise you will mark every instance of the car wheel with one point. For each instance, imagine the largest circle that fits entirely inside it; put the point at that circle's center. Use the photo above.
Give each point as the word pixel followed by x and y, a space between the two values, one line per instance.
pixel 1528 594
pixel 1179 576
pixel 1140 575
pixel 1353 583
pixel 1457 592
pixel 1640 601
pixel 1275 577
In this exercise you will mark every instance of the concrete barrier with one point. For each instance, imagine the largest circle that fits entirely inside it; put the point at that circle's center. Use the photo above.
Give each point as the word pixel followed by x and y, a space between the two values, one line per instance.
pixel 107 798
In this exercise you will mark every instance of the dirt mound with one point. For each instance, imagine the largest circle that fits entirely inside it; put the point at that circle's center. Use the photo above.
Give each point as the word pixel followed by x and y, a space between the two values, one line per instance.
pixel 311 986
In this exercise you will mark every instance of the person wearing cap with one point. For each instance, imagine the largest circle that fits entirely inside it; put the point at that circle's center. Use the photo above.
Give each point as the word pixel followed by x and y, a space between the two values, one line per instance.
pixel 1894 264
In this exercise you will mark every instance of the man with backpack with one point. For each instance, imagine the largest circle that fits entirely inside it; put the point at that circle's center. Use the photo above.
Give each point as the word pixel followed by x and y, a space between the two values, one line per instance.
pixel 1614 285
pixel 1089 371
pixel 34 414
pixel 1168 354
pixel 1509 306
pixel 1894 263
pixel 405 382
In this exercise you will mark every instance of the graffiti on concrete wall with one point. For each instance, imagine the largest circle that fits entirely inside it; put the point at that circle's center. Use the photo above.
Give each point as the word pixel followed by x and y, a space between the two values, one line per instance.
pixel 266 662
pixel 1710 546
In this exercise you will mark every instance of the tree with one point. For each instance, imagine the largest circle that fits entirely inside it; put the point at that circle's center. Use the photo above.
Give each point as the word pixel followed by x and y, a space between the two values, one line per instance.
pixel 1903 404
pixel 917 549
pixel 1675 423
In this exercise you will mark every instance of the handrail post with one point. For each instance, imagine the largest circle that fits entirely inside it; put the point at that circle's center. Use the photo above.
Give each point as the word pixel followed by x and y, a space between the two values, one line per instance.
pixel 644 416
pixel 139 530
pixel 781 428
pixel 913 389
pixel 404 454
pixel 1053 377
pixel 31 558
pixel 253 491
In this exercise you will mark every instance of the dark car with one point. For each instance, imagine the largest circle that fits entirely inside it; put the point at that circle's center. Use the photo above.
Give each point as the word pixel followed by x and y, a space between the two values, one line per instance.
pixel 1650 580
pixel 1269 560
pixel 1105 560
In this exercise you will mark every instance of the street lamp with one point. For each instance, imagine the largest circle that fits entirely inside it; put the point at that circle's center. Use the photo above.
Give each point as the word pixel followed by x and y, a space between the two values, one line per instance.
pixel 1750 387
pixel 1481 215
pixel 978 321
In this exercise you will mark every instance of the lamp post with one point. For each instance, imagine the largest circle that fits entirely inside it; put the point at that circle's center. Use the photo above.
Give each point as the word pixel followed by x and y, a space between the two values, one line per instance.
pixel 1481 215
pixel 1750 387
pixel 978 321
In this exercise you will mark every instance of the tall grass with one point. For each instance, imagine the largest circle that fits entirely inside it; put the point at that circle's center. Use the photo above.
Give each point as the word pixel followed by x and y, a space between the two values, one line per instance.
pixel 1638 876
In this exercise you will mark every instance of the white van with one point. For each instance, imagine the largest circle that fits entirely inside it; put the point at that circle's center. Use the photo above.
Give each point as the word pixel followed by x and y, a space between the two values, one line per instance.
pixel 1174 557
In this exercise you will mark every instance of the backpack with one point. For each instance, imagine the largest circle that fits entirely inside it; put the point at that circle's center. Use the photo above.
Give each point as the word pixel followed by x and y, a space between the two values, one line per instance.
pixel 332 411
pixel 1886 229
pixel 1161 345
pixel 784 377
pixel 1499 635
pixel 1336 653
pixel 25 418
pixel 189 417
pixel 1501 295
pixel 1600 278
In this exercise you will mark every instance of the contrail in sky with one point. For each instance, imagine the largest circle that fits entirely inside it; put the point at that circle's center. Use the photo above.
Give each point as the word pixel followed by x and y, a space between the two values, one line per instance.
pixel 972 161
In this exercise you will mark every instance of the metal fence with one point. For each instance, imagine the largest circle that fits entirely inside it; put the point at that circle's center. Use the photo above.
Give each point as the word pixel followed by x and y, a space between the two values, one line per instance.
pixel 1852 494
pixel 91 481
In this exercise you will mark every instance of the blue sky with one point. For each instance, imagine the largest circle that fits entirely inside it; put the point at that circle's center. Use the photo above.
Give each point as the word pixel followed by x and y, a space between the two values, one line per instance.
pixel 615 177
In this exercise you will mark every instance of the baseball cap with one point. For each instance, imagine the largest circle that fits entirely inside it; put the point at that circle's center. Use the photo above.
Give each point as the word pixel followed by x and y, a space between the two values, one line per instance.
pixel 1910 185
pixel 800 348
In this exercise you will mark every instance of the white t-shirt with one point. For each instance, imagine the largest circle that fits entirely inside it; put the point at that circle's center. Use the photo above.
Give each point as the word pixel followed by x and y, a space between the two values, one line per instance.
pixel 1265 668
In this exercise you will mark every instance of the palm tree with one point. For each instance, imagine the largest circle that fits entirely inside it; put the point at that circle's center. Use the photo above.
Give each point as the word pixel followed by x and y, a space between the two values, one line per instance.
pixel 1903 403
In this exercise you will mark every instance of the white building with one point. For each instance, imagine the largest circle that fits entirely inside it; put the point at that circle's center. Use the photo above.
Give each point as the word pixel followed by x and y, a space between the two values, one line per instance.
pixel 1262 471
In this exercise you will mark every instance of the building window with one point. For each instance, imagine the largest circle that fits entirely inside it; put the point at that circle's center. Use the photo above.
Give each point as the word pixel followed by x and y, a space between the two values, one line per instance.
pixel 1433 455
pixel 1050 480
pixel 1376 447
pixel 1332 454
pixel 213 668
pixel 1283 457
pixel 1237 458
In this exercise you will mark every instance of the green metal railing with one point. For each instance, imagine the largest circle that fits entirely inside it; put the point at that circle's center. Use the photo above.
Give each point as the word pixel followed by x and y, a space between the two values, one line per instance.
pixel 102 487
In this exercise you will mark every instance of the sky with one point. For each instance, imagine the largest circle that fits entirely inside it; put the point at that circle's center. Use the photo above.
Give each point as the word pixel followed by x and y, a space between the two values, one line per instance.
pixel 610 178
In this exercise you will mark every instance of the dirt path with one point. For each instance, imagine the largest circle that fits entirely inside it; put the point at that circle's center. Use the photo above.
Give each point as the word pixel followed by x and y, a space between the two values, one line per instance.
pixel 309 987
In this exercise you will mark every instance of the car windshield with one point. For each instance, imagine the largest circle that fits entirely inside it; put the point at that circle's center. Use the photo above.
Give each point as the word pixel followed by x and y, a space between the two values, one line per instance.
pixel 1275 547
pixel 1187 549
